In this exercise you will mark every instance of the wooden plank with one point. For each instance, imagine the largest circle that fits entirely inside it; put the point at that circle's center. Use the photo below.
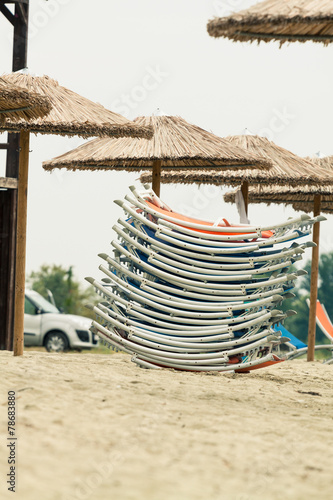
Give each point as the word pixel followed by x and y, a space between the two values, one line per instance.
pixel 245 193
pixel 314 282
pixel 8 203
pixel 8 197
pixel 8 183
pixel 8 15
pixel 23 13
pixel 156 177
pixel 20 47
pixel 21 233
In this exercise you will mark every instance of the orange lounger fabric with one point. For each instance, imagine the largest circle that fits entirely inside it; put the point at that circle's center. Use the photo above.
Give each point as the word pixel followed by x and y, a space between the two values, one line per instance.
pixel 183 218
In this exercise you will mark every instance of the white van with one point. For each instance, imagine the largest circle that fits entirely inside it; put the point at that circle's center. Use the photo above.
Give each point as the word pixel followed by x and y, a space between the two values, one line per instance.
pixel 45 325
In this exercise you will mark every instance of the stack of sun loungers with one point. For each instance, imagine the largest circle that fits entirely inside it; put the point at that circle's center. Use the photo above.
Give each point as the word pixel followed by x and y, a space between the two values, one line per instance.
pixel 195 295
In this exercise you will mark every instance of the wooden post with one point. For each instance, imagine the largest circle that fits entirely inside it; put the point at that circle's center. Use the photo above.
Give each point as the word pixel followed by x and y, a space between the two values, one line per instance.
pixel 21 231
pixel 156 177
pixel 8 200
pixel 245 193
pixel 314 282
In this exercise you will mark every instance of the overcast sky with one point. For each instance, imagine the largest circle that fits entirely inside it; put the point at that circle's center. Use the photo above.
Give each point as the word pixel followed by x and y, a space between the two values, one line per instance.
pixel 105 51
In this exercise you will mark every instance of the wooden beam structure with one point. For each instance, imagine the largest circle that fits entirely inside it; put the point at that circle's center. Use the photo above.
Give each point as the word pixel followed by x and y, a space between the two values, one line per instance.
pixel 8 196
pixel 245 193
pixel 8 183
pixel 21 243
pixel 314 282
pixel 156 177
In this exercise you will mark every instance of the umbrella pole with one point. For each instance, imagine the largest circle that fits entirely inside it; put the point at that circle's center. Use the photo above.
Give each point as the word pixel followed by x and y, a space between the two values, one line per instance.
pixel 245 193
pixel 314 282
pixel 156 184
pixel 21 231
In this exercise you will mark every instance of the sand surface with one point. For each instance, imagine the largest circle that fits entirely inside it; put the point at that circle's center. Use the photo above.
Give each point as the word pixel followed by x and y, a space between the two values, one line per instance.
pixel 95 426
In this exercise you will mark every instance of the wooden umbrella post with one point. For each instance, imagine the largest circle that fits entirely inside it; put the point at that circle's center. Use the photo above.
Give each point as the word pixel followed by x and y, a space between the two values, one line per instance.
pixel 314 282
pixel 156 177
pixel 21 231
pixel 245 193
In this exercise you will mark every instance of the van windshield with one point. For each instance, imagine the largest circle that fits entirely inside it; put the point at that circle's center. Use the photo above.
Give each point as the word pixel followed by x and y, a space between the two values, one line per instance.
pixel 41 303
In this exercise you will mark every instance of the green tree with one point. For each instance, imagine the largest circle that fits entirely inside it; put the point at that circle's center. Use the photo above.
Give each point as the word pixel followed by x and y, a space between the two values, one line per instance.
pixel 325 290
pixel 68 293
pixel 298 325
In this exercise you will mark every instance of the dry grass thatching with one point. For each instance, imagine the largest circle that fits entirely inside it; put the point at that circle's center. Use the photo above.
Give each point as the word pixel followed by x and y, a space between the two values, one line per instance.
pixel 288 169
pixel 325 162
pixel 177 143
pixel 284 194
pixel 267 196
pixel 71 114
pixel 299 194
pixel 20 104
pixel 282 20
pixel 325 207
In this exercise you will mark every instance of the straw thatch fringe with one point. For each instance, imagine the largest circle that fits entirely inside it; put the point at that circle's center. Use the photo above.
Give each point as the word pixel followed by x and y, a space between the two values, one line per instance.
pixel 301 194
pixel 325 207
pixel 19 104
pixel 71 114
pixel 226 177
pixel 305 205
pixel 288 169
pixel 177 143
pixel 284 194
pixel 326 162
pixel 285 21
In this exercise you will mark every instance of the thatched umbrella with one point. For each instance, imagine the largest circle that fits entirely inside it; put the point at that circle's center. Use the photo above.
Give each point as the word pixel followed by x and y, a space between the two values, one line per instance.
pixel 18 103
pixel 285 21
pixel 301 199
pixel 289 170
pixel 177 146
pixel 304 198
pixel 305 202
pixel 70 115
pixel 277 195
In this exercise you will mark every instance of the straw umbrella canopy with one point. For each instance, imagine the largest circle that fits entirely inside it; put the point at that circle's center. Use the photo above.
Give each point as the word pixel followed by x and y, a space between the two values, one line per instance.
pixel 305 203
pixel 301 200
pixel 288 169
pixel 177 146
pixel 70 115
pixel 18 103
pixel 285 21
pixel 298 194
pixel 285 194
pixel 326 207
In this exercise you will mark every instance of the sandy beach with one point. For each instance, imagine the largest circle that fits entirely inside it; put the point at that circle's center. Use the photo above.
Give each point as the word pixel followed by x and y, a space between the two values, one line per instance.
pixel 95 426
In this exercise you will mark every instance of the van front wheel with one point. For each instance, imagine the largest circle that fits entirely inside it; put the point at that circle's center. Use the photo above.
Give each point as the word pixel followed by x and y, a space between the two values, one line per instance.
pixel 56 342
